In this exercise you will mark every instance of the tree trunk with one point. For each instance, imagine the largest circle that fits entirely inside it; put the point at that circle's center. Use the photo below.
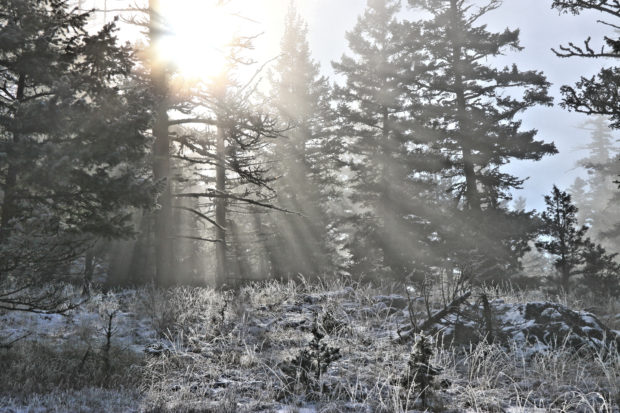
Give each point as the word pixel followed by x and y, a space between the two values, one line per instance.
pixel 8 203
pixel 221 273
pixel 390 257
pixel 161 162
pixel 565 253
pixel 89 270
pixel 471 184
pixel 565 281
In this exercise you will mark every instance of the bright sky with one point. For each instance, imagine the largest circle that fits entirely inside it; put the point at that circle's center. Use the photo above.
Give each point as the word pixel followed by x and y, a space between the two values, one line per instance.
pixel 541 29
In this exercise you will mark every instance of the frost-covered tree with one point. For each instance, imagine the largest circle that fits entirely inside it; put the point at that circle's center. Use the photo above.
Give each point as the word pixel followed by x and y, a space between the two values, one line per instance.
pixel 574 255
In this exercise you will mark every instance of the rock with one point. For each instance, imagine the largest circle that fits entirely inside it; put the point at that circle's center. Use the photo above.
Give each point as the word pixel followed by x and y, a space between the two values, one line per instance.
pixel 554 324
pixel 394 301
pixel 293 322
pixel 539 326
pixel 157 349
pixel 292 308
pixel 316 298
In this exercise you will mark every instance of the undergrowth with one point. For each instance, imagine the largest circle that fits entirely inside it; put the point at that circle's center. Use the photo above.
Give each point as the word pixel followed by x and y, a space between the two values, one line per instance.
pixel 328 345
pixel 38 367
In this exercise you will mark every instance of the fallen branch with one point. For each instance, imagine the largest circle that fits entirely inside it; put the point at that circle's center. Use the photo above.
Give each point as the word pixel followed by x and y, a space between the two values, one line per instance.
pixel 8 345
pixel 404 333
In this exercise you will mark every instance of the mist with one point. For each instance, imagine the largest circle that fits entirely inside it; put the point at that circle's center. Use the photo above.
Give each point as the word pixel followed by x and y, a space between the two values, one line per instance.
pixel 269 205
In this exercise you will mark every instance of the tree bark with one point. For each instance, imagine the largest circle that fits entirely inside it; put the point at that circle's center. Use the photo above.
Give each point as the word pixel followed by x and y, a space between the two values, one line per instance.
pixel 391 258
pixel 89 270
pixel 221 273
pixel 161 153
pixel 8 203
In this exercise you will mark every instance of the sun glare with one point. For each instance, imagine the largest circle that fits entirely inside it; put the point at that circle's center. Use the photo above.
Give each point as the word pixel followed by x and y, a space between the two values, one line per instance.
pixel 199 31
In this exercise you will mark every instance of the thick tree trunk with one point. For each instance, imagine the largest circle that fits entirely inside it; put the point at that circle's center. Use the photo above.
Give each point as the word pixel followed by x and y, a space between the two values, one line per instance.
pixel 390 256
pixel 161 162
pixel 163 216
pixel 89 270
pixel 471 182
pixel 9 201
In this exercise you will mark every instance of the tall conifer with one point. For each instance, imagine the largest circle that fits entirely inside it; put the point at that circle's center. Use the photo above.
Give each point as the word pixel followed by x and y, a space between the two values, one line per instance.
pixel 305 159
pixel 73 139
pixel 388 153
pixel 473 108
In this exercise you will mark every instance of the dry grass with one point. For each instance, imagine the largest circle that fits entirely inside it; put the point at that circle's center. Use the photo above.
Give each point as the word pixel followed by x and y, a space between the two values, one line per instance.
pixel 225 352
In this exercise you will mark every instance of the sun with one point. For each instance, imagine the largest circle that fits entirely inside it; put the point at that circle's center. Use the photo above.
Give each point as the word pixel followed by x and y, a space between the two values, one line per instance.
pixel 197 35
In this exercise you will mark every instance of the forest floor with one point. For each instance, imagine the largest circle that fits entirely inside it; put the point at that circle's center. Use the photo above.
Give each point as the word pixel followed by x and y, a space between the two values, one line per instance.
pixel 304 347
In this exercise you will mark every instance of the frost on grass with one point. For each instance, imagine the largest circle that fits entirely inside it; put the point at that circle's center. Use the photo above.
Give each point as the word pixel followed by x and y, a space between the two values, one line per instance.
pixel 196 349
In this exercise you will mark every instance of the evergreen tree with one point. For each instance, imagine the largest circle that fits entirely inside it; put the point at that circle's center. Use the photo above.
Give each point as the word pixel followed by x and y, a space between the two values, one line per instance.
pixel 597 196
pixel 390 165
pixel 574 255
pixel 151 258
pixel 217 163
pixel 74 144
pixel 579 194
pixel 305 159
pixel 223 164
pixel 601 272
pixel 473 110
pixel 563 238
pixel 598 94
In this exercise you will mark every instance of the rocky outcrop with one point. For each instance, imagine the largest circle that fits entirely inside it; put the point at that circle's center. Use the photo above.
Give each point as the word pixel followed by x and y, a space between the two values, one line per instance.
pixel 538 324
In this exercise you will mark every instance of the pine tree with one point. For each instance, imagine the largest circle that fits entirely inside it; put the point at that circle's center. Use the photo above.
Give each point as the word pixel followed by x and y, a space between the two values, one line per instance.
pixel 599 207
pixel 563 237
pixel 581 197
pixel 421 374
pixel 390 164
pixel 574 255
pixel 601 272
pixel 597 95
pixel 222 165
pixel 472 106
pixel 73 135
pixel 193 165
pixel 305 158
